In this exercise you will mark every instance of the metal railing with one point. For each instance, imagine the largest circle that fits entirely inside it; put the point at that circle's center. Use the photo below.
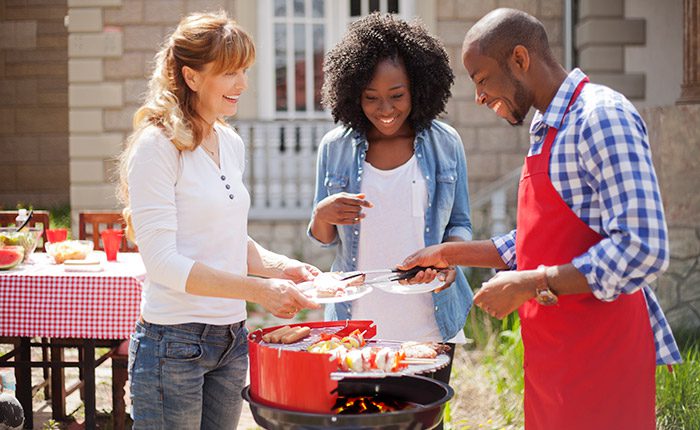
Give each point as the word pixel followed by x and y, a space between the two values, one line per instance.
pixel 497 203
pixel 281 166
pixel 281 169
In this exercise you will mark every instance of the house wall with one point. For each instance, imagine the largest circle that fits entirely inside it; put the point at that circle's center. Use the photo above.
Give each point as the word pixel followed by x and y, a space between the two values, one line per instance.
pixel 660 59
pixel 33 104
pixel 493 147
pixel 674 135
pixel 111 47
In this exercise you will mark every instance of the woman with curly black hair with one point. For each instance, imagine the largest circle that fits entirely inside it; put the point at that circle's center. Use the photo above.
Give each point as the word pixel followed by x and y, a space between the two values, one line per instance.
pixel 392 179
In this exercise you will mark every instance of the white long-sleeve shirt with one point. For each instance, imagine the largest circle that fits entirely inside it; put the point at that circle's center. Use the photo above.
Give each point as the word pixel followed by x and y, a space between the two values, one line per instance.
pixel 186 209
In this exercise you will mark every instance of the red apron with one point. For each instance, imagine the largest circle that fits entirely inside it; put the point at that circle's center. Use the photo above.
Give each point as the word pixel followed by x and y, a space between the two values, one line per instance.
pixel 588 364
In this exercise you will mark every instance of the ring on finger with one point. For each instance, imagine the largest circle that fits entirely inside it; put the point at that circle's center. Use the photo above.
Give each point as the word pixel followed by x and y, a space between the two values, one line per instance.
pixel 357 218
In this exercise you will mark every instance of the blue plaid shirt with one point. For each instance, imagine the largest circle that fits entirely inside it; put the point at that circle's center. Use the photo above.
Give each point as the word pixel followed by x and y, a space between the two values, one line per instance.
pixel 601 166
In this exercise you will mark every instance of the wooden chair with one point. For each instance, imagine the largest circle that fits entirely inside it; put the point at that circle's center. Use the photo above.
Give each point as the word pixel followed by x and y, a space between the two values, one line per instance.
pixel 39 218
pixel 90 224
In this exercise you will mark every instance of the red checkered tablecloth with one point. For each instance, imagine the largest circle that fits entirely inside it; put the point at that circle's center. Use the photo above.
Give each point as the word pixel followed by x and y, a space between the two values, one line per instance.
pixel 42 299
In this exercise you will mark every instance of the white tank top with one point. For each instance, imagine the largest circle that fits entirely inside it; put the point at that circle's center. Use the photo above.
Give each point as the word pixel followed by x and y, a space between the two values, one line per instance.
pixel 392 230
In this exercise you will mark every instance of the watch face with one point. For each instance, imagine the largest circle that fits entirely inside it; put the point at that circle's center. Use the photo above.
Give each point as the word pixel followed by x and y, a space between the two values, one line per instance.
pixel 546 297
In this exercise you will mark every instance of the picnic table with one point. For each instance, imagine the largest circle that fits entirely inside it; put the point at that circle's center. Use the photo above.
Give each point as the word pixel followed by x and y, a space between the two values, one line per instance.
pixel 41 299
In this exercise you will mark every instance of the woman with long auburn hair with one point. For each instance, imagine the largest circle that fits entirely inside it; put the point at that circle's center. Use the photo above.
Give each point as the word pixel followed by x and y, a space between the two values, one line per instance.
pixel 187 209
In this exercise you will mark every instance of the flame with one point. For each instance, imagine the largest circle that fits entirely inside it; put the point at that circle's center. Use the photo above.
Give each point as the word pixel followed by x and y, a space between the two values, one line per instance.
pixel 367 405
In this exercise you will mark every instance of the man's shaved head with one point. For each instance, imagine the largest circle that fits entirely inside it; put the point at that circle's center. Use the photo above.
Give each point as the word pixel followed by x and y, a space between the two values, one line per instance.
pixel 501 30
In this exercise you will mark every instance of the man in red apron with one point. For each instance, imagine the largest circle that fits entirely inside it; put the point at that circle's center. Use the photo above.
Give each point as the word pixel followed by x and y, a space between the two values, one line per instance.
pixel 589 239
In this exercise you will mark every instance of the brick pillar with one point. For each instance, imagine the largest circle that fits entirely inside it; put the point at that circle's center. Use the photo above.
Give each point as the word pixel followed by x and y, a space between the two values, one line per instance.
pixel 602 33
pixel 690 90
pixel 90 94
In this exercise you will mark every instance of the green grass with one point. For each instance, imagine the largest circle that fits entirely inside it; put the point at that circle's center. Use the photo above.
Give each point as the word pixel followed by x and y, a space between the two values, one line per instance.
pixel 678 393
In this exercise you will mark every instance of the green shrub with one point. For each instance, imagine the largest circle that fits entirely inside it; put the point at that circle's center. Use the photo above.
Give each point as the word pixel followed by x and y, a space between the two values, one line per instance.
pixel 60 216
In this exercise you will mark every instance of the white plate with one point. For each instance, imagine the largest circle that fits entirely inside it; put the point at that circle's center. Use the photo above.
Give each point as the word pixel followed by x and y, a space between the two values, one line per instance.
pixel 396 288
pixel 309 291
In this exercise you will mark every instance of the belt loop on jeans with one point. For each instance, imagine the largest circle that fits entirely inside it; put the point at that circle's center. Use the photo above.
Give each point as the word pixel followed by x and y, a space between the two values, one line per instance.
pixel 205 331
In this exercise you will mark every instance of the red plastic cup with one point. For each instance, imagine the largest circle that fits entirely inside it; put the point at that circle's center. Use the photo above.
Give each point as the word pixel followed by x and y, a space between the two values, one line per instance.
pixel 111 241
pixel 56 234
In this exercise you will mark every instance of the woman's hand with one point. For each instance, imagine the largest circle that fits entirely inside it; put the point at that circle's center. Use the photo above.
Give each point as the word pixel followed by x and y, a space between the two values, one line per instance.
pixel 341 209
pixel 449 275
pixel 282 299
pixel 298 271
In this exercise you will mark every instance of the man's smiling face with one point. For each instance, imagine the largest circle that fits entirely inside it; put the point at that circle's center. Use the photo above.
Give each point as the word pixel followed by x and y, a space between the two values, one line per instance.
pixel 496 87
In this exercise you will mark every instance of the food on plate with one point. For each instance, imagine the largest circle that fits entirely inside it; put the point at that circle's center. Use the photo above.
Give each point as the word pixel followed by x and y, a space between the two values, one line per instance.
pixel 287 334
pixel 10 256
pixel 423 349
pixel 331 284
pixel 69 250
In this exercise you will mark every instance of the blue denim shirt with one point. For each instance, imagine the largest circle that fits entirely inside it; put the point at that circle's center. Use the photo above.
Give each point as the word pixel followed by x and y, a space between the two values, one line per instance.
pixel 440 155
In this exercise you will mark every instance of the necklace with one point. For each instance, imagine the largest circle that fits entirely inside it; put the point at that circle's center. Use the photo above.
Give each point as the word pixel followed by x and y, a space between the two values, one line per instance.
pixel 210 151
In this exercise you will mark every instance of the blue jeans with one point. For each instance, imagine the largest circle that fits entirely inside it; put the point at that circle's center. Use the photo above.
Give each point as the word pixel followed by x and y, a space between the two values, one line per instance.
pixel 187 376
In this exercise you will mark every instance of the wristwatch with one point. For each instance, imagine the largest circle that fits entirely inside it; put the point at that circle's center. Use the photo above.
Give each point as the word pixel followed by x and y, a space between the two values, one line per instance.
pixel 543 294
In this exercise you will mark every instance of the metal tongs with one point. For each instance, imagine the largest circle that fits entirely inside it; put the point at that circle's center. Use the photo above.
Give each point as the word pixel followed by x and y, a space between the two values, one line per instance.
pixel 400 274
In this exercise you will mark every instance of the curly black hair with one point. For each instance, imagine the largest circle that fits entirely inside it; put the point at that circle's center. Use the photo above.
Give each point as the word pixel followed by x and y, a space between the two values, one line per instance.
pixel 349 67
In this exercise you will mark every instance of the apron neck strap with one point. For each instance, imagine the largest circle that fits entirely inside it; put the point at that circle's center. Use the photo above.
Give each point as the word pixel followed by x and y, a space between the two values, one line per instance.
pixel 552 132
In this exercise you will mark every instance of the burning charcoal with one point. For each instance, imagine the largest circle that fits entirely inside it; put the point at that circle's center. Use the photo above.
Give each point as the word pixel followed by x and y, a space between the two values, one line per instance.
pixel 368 405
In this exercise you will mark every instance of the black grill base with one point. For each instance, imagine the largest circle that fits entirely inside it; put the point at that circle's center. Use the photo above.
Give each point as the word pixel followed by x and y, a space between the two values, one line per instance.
pixel 429 395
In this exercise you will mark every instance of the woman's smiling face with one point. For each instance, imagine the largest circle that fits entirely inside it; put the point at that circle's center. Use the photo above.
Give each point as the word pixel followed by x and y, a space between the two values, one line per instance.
pixel 386 100
pixel 218 93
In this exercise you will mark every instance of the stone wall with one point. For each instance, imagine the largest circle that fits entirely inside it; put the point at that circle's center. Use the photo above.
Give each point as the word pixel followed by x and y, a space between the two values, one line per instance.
pixel 112 44
pixel 674 134
pixel 34 103
pixel 493 147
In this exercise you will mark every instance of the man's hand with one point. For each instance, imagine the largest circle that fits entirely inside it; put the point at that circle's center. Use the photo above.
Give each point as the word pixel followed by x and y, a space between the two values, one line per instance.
pixel 298 271
pixel 430 256
pixel 505 292
pixel 447 276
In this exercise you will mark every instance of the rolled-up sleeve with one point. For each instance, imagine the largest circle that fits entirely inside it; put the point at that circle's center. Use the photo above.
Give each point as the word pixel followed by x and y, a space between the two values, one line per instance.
pixel 615 155
pixel 505 245
pixel 152 175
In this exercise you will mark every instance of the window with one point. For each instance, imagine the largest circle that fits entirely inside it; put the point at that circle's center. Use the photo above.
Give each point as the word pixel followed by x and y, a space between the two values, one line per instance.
pixel 293 37
pixel 299 35
pixel 363 7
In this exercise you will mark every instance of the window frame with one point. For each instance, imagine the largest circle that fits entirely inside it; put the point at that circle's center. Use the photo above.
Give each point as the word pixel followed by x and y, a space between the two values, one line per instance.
pixel 336 19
